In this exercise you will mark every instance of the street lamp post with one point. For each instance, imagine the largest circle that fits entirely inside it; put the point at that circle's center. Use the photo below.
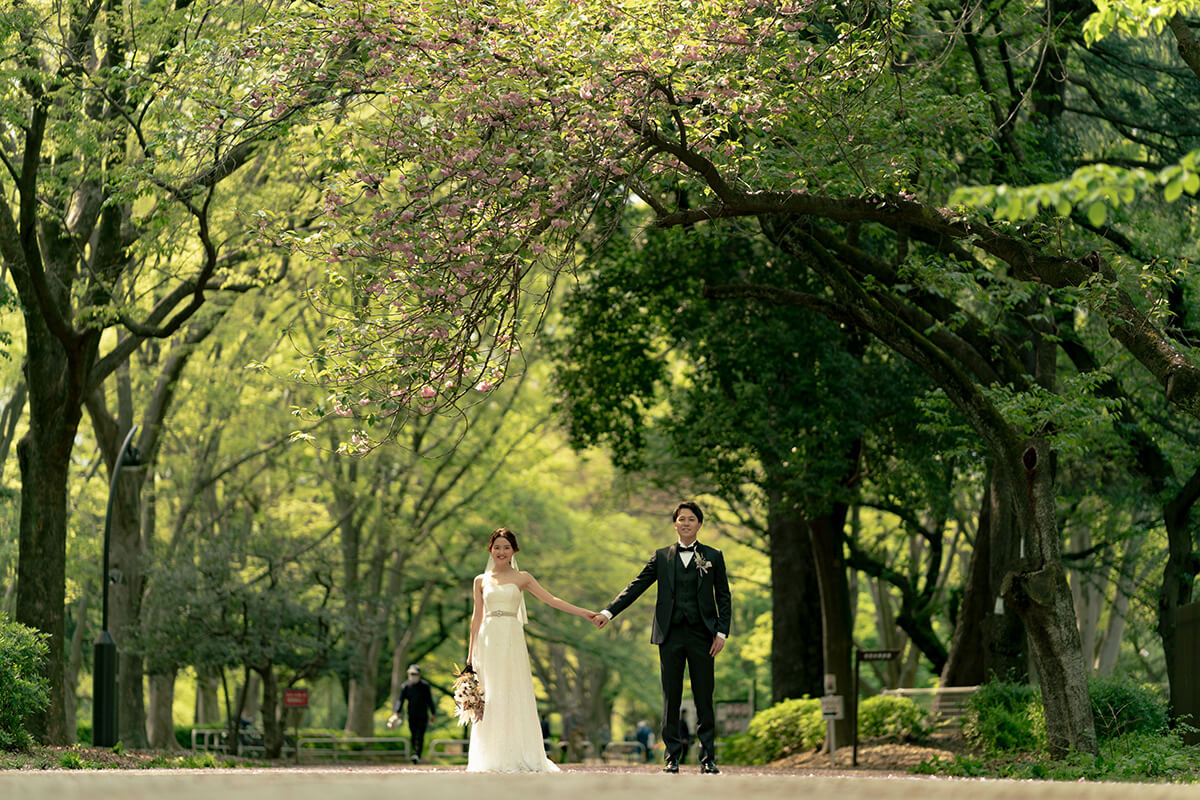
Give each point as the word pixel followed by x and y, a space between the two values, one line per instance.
pixel 104 677
pixel 859 657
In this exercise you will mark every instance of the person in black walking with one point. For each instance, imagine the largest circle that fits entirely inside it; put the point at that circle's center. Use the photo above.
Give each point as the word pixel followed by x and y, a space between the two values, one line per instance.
pixel 685 736
pixel 421 708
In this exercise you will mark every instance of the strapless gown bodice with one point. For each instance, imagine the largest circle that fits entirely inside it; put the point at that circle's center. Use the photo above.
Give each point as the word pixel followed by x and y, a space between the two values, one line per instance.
pixel 501 599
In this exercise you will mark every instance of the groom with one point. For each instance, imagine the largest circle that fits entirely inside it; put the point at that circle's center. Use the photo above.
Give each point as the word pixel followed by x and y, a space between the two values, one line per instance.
pixel 691 621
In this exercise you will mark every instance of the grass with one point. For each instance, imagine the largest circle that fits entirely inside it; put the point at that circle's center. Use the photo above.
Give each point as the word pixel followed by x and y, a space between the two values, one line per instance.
pixel 95 758
pixel 1134 758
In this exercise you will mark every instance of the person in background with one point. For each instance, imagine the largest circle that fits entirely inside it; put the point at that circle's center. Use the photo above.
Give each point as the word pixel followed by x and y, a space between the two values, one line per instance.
pixel 417 693
pixel 645 737
pixel 685 736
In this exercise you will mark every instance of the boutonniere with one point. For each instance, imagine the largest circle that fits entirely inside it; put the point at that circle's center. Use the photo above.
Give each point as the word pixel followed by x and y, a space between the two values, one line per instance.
pixel 702 564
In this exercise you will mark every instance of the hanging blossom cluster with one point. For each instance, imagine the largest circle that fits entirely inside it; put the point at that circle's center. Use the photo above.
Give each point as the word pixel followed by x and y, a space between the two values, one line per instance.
pixel 474 143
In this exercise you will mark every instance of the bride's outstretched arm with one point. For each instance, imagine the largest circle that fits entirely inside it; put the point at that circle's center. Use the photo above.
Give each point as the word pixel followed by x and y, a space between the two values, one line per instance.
pixel 530 584
pixel 476 618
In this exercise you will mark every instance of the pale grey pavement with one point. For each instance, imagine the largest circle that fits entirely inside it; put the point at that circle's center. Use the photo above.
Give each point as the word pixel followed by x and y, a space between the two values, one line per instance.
pixel 425 784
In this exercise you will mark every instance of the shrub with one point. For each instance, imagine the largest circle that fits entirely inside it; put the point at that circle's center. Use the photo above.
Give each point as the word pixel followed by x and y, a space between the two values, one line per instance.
pixel 792 726
pixel 23 689
pixel 1120 706
pixel 897 719
pixel 1005 717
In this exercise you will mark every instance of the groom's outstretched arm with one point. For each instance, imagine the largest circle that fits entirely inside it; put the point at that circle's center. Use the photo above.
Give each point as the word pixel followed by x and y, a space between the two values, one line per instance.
pixel 636 587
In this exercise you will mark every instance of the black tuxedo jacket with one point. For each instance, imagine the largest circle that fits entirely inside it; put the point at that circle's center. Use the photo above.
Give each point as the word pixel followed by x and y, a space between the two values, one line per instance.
pixel 715 600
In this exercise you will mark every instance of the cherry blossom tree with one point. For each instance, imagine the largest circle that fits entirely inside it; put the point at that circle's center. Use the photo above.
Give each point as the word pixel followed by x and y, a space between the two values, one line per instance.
pixel 484 139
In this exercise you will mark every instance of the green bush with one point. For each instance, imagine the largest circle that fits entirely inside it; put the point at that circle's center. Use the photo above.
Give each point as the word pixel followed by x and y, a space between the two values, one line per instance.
pixel 897 719
pixel 1005 718
pixel 1120 706
pixel 792 726
pixel 796 726
pixel 1008 717
pixel 23 689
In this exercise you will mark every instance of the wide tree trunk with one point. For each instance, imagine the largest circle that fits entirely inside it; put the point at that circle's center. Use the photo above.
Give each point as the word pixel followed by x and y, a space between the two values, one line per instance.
pixel 1040 594
pixel 44 456
pixel 161 719
pixel 796 639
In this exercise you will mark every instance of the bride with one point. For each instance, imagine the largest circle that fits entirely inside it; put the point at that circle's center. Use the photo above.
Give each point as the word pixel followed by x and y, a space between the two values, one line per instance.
pixel 509 737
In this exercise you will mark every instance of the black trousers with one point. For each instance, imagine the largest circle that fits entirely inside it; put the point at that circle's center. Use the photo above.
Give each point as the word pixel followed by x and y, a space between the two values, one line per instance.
pixel 416 730
pixel 687 645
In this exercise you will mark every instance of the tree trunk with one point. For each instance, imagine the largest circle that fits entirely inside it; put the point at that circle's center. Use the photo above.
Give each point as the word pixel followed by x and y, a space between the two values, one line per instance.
pixel 361 696
pixel 251 694
pixel 828 532
pixel 8 605
pixel 796 641
pixel 125 604
pixel 44 454
pixel 161 719
pixel 402 640
pixel 74 663
pixel 272 725
pixel 1126 585
pixel 1178 575
pixel 9 417
pixel 1041 595
pixel 989 638
pixel 1087 594
pixel 208 700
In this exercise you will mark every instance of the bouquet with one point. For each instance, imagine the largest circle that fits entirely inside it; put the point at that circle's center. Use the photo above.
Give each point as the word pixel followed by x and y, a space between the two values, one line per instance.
pixel 468 696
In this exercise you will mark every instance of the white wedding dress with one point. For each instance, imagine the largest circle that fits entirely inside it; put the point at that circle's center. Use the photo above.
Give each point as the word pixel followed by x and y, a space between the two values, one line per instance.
pixel 509 737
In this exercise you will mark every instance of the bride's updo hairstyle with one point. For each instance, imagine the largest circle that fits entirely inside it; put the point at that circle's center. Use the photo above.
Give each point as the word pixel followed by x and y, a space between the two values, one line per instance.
pixel 503 533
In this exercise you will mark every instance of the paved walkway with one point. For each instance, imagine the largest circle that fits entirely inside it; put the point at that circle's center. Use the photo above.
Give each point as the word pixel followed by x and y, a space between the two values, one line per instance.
pixel 452 784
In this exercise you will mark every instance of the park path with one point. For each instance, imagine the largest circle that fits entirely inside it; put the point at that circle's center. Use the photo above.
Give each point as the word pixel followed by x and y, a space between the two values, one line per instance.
pixel 453 784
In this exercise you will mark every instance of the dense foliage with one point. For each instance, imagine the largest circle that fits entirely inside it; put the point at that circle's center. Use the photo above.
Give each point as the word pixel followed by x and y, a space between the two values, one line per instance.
pixel 1005 718
pixel 796 726
pixel 23 689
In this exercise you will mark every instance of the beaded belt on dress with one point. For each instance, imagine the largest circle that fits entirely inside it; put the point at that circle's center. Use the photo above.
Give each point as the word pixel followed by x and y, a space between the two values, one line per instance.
pixel 501 613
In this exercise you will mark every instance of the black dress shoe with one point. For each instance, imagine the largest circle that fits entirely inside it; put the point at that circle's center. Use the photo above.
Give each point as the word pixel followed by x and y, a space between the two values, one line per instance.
pixel 709 768
pixel 671 766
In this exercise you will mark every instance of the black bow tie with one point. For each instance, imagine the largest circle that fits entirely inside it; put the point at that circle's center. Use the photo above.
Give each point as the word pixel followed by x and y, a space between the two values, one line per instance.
pixel 687 549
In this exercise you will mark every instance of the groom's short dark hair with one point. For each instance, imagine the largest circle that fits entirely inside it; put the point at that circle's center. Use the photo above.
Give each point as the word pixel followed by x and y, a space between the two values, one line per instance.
pixel 690 506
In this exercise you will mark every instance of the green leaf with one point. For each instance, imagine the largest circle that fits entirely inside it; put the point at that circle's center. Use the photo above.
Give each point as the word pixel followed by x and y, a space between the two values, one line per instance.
pixel 1173 190
pixel 1097 212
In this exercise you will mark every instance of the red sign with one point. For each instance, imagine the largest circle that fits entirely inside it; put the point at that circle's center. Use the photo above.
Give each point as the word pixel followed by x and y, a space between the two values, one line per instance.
pixel 295 698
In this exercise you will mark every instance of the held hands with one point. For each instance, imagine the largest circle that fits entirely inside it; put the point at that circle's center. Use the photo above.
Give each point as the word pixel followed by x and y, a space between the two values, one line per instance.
pixel 393 721
pixel 599 620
